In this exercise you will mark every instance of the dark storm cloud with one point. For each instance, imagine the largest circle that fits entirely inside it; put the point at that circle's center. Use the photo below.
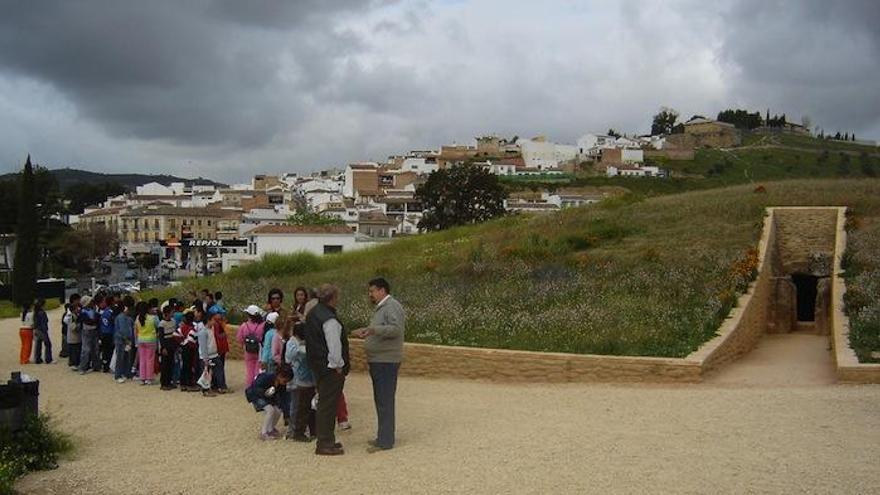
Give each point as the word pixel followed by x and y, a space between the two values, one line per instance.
pixel 817 58
pixel 199 73
pixel 241 86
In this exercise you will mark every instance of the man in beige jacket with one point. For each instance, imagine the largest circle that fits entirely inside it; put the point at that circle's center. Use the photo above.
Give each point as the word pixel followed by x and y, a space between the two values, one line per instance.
pixel 384 349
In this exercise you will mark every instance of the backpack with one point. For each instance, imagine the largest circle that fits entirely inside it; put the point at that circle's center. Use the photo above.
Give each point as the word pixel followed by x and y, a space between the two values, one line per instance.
pixel 251 343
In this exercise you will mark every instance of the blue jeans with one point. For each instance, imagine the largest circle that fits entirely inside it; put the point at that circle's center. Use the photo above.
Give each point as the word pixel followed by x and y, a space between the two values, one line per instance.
pixel 41 338
pixel 89 355
pixel 384 376
pixel 218 374
pixel 123 361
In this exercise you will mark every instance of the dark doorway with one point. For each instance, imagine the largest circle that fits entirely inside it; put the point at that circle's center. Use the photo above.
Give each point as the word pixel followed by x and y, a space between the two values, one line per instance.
pixel 806 296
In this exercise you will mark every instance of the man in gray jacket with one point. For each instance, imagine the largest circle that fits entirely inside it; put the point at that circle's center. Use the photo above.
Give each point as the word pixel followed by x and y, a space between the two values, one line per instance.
pixel 384 348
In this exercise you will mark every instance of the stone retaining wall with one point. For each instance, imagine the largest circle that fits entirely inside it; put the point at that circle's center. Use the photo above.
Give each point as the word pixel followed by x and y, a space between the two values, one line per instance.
pixel 747 322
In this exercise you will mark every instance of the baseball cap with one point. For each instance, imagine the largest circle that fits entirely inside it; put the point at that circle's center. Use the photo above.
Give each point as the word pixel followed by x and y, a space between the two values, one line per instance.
pixel 271 317
pixel 253 310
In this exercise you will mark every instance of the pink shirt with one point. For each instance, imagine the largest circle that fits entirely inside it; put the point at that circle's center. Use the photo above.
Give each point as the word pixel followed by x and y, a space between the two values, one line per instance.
pixel 248 328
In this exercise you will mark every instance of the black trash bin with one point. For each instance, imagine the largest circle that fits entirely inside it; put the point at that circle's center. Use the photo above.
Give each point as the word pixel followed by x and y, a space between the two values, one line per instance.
pixel 11 407
pixel 18 400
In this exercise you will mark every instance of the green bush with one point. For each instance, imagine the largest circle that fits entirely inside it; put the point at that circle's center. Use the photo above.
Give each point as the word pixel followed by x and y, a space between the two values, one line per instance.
pixel 35 448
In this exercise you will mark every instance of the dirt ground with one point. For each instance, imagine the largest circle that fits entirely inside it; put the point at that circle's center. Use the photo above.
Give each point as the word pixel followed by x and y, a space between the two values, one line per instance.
pixel 771 423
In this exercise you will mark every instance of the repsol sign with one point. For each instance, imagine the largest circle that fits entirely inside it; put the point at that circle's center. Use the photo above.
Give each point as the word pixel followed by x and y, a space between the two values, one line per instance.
pixel 215 243
pixel 206 243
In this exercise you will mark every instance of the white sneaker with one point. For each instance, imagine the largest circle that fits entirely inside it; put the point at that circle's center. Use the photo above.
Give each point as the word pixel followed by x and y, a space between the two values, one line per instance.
pixel 120 380
pixel 344 425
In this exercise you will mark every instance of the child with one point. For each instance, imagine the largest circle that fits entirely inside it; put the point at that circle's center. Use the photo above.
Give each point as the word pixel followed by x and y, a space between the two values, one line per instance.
pixel 123 340
pixel 188 352
pixel 250 336
pixel 264 395
pixel 304 381
pixel 218 376
pixel 74 338
pixel 146 328
pixel 207 348
pixel 26 332
pixel 168 346
pixel 88 319
pixel 41 333
pixel 218 302
pixel 268 364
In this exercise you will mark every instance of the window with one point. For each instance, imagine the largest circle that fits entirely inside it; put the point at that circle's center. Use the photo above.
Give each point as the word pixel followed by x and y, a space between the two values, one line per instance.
pixel 172 223
pixel 156 224
pixel 209 223
pixel 200 222
pixel 329 249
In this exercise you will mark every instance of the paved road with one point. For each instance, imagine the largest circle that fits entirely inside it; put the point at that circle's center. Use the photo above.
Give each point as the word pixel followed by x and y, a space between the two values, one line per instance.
pixel 730 435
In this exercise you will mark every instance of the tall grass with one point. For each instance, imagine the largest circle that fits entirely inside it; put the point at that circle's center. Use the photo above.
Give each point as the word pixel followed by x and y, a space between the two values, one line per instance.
pixel 634 276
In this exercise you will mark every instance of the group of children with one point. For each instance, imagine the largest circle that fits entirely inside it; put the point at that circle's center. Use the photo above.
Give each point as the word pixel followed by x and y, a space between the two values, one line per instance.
pixel 188 344
pixel 278 378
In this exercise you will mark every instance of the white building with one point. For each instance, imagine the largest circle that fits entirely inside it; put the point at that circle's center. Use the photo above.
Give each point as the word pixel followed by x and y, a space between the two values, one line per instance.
pixel 632 155
pixel 631 171
pixel 591 145
pixel 565 200
pixel 498 168
pixel 419 165
pixel 542 154
pixel 262 216
pixel 154 189
pixel 288 239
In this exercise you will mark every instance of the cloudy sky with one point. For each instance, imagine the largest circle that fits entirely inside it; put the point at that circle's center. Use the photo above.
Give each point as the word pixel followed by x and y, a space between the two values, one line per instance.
pixel 225 89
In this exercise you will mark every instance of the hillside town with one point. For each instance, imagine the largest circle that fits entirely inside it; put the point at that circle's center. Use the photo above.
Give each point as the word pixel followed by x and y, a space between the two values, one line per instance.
pixel 208 228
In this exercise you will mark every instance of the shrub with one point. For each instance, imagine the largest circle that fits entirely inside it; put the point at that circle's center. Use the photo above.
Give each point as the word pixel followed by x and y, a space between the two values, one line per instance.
pixel 35 448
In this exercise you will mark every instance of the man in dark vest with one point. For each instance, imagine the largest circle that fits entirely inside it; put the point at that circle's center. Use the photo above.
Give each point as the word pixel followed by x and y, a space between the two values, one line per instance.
pixel 327 352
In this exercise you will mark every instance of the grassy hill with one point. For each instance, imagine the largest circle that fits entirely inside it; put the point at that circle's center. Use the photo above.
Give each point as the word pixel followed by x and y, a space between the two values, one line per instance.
pixel 763 157
pixel 631 276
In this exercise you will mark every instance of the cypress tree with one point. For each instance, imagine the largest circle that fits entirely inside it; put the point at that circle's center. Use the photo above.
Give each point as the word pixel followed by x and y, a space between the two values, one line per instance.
pixel 24 274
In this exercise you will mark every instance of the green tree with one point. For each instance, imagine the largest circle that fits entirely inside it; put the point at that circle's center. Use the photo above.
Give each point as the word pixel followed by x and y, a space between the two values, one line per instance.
pixel 24 277
pixel 664 121
pixel 47 198
pixel 83 194
pixel 742 119
pixel 613 133
pixel 459 195
pixel 308 218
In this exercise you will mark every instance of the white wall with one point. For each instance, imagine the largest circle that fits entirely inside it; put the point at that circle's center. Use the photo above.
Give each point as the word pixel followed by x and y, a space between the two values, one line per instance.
pixel 419 166
pixel 545 155
pixel 292 243
pixel 632 156
pixel 153 189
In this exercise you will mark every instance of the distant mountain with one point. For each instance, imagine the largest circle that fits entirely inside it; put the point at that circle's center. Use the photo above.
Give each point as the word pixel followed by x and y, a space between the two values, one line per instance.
pixel 69 176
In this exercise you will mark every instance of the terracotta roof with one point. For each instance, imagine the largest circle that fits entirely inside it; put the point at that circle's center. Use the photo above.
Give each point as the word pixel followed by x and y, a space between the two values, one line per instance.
pixel 375 217
pixel 172 210
pixel 102 211
pixel 300 229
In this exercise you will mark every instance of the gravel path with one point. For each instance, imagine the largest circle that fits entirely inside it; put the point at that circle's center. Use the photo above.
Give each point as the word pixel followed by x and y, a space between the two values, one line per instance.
pixel 733 434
